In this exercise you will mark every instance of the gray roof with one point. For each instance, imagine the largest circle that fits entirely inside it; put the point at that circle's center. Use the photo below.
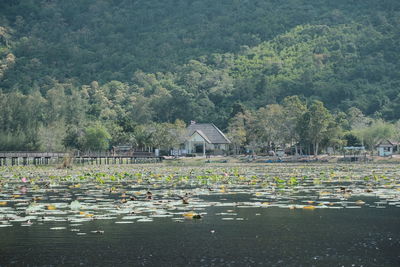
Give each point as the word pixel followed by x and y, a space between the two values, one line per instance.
pixel 210 132
pixel 387 143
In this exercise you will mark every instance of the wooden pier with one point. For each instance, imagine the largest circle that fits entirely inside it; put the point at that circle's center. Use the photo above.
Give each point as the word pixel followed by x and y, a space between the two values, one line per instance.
pixel 107 158
pixel 104 158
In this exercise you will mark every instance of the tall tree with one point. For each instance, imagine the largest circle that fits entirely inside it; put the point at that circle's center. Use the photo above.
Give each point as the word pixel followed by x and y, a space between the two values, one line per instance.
pixel 96 138
pixel 237 131
pixel 313 125
pixel 294 109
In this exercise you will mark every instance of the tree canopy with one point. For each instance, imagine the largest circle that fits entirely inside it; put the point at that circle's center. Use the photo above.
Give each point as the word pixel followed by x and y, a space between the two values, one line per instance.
pixel 126 65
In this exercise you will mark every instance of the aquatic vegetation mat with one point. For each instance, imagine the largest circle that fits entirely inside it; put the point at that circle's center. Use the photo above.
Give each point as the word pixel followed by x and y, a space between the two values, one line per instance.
pixel 142 194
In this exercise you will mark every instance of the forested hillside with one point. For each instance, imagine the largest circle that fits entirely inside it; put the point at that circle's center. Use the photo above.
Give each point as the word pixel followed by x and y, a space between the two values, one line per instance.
pixel 67 67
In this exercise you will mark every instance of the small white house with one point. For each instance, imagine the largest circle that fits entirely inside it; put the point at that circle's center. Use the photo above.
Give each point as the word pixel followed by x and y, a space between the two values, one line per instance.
pixel 386 148
pixel 205 138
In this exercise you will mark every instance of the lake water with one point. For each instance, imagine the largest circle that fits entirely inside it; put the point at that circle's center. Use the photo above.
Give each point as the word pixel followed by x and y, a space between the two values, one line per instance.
pixel 273 215
pixel 261 237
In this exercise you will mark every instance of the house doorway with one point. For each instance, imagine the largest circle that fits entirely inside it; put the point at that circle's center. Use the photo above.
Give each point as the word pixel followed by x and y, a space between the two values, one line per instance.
pixel 198 148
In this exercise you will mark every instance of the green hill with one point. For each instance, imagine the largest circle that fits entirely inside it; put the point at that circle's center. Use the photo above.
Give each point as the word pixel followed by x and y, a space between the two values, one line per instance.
pixel 130 62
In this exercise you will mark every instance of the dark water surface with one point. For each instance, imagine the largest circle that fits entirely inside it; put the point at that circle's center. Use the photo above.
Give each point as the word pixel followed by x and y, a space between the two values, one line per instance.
pixel 261 237
pixel 252 215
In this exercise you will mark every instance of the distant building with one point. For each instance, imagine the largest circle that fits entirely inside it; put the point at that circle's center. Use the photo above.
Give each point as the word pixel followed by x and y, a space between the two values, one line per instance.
pixel 122 150
pixel 386 148
pixel 205 138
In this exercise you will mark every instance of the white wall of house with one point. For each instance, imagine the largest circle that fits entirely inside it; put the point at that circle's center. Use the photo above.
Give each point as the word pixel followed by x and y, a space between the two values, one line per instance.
pixel 385 151
pixel 196 137
pixel 194 140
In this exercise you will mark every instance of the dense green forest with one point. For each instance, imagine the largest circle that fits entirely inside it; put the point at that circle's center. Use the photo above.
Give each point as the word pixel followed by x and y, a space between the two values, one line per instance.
pixel 120 70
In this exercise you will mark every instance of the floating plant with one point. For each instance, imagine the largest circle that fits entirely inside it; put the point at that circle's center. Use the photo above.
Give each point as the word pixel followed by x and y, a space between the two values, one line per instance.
pixel 130 194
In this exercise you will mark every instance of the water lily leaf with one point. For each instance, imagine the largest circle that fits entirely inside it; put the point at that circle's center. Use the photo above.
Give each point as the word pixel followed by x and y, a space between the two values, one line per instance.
pixel 145 220
pixel 58 228
pixel 75 205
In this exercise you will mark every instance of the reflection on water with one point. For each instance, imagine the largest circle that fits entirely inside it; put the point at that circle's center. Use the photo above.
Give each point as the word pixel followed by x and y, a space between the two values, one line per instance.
pixel 305 217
